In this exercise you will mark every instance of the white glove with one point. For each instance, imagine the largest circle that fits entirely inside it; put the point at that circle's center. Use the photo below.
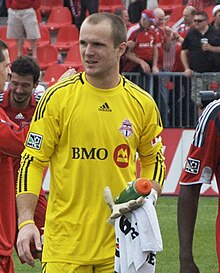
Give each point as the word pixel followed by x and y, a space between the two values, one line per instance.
pixel 120 209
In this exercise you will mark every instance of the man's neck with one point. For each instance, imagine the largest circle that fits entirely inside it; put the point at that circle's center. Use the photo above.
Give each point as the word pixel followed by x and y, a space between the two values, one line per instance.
pixel 204 30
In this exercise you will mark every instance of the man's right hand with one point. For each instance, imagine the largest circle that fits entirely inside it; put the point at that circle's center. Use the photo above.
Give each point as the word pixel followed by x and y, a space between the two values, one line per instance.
pixel 28 234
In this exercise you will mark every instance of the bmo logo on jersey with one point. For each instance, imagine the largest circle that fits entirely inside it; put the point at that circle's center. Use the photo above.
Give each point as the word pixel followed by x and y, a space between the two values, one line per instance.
pixel 34 141
pixel 93 153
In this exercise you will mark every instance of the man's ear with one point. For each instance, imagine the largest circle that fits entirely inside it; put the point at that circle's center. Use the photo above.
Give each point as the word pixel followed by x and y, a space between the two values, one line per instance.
pixel 122 48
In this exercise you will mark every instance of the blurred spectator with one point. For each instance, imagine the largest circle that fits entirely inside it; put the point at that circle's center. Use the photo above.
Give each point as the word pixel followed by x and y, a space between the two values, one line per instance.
pixel 163 36
pixel 200 4
pixel 180 97
pixel 200 52
pixel 22 23
pixel 135 9
pixel 80 8
pixel 142 44
pixel 3 13
pixel 188 22
pixel 3 10
pixel 123 13
pixel 195 55
pixel 216 17
pixel 75 7
pixel 142 49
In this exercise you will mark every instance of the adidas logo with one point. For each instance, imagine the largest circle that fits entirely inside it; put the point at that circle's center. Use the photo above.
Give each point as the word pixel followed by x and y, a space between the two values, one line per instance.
pixel 19 116
pixel 105 107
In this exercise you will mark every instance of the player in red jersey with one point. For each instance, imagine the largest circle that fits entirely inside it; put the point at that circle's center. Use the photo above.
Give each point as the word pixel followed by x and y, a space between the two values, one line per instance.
pixel 201 165
pixel 19 103
pixel 11 144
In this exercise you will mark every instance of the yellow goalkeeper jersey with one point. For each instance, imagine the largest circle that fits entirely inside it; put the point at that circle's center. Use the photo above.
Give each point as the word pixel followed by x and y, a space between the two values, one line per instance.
pixel 89 137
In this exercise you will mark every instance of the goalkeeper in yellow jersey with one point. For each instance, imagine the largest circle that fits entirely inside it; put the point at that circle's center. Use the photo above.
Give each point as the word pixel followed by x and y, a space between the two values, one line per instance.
pixel 88 129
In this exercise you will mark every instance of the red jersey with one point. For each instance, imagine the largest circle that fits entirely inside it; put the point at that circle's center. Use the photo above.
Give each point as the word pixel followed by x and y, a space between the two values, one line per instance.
pixel 24 4
pixel 18 115
pixel 12 143
pixel 145 41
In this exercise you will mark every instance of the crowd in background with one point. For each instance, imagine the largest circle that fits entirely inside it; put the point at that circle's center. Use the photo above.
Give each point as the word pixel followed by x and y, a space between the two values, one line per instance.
pixel 155 46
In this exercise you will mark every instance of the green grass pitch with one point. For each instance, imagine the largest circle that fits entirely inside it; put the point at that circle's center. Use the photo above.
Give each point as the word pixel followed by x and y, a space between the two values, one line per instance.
pixel 167 260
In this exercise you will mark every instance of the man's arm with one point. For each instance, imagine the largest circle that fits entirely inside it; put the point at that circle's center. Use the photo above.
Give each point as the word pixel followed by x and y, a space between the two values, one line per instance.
pixel 134 58
pixel 184 59
pixel 31 170
pixel 186 218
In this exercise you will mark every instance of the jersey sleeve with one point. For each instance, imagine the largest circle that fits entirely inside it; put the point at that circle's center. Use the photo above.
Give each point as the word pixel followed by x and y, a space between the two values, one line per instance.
pixel 12 136
pixel 40 144
pixel 150 147
pixel 203 157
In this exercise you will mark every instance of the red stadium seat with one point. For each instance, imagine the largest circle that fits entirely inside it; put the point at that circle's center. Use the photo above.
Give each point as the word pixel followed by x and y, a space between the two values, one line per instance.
pixel 13 52
pixel 59 16
pixel 208 10
pixel 66 37
pixel 168 5
pixel 54 71
pixel 3 36
pixel 39 17
pixel 73 58
pixel 46 55
pixel 47 5
pixel 110 6
pixel 176 14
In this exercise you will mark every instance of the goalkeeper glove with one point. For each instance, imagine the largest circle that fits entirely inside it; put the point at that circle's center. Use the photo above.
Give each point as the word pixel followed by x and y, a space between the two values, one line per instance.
pixel 120 209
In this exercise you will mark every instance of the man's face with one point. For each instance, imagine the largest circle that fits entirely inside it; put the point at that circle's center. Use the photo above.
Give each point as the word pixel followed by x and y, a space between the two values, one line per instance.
pixel 21 89
pixel 4 70
pixel 125 17
pixel 146 23
pixel 99 55
pixel 188 17
pixel 200 22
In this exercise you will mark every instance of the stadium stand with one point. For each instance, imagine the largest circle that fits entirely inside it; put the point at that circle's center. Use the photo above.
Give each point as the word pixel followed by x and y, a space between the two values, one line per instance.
pixel 110 6
pixel 73 59
pixel 3 36
pixel 59 16
pixel 54 71
pixel 46 55
pixel 44 40
pixel 169 5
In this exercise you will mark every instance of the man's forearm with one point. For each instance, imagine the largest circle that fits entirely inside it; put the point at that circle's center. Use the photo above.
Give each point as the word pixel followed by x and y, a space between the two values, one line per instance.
pixel 186 217
pixel 26 204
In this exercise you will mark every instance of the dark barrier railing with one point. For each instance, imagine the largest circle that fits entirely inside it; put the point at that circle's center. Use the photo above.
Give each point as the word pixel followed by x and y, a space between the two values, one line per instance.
pixel 177 96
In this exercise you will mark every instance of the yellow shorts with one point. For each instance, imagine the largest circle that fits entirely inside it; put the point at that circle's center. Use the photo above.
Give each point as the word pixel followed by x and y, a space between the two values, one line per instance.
pixel 72 268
